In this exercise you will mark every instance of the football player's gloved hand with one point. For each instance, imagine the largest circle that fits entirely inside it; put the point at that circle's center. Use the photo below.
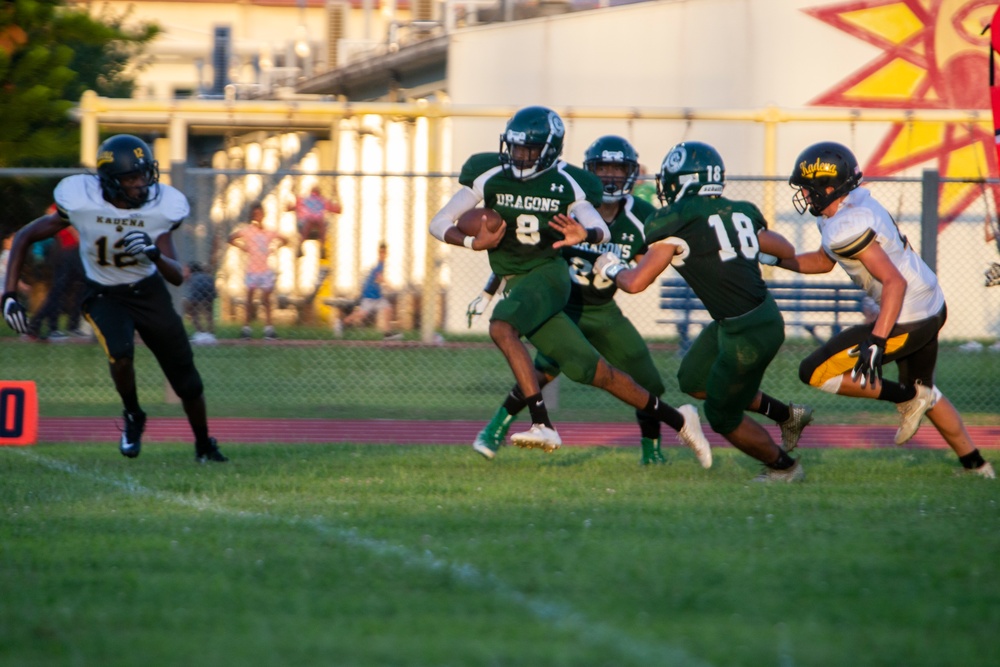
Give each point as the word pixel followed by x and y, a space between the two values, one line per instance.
pixel 14 313
pixel 993 275
pixel 478 306
pixel 869 365
pixel 139 243
pixel 609 265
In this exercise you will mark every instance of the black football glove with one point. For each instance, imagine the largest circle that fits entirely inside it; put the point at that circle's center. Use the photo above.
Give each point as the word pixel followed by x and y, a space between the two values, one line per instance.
pixel 14 313
pixel 869 354
pixel 139 243
pixel 993 275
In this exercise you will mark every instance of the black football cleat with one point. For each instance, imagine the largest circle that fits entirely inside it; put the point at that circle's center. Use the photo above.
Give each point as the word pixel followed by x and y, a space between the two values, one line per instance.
pixel 131 442
pixel 209 452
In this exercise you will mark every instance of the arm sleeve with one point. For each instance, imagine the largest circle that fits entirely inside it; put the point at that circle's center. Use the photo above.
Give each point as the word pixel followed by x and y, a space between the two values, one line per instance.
pixel 463 200
pixel 587 215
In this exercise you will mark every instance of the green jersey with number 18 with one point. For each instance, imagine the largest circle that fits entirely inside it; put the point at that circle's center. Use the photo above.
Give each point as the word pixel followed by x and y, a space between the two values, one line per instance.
pixel 527 207
pixel 717 249
pixel 628 240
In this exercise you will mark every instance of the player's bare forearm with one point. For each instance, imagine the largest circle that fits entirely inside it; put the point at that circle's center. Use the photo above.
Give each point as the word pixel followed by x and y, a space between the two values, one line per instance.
pixel 38 229
pixel 653 263
pixel 775 244
pixel 882 269
pixel 167 263
pixel 816 261
pixel 889 308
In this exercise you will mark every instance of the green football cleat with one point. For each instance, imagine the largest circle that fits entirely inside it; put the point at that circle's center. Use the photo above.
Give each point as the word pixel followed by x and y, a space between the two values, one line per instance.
pixel 651 453
pixel 494 435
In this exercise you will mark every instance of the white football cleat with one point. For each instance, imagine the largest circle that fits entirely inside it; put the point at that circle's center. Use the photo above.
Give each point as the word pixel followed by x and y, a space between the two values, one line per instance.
pixel 986 471
pixel 539 436
pixel 788 475
pixel 692 436
pixel 800 417
pixel 913 410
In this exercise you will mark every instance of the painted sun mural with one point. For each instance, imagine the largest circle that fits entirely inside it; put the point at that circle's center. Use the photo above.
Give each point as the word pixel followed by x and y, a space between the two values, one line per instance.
pixel 933 56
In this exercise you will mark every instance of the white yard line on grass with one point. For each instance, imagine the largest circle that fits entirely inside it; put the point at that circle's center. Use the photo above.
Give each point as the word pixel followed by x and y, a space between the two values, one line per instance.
pixel 556 614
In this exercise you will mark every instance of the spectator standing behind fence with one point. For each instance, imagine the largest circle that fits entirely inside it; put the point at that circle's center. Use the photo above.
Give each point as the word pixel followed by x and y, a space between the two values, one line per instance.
pixel 199 302
pixel 310 213
pixel 992 235
pixel 258 243
pixel 373 302
pixel 66 292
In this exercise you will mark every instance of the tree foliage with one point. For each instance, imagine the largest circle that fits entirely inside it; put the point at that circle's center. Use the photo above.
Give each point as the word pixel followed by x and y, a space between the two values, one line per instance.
pixel 50 53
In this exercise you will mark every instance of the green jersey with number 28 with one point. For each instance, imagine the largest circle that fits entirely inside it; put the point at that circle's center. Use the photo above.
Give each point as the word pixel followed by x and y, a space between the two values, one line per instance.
pixel 627 241
pixel 717 249
pixel 527 207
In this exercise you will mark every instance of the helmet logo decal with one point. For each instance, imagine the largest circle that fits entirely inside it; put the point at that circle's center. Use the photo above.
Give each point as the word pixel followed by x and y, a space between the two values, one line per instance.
pixel 818 169
pixel 137 151
pixel 612 156
pixel 514 137
pixel 556 124
pixel 105 157
pixel 676 159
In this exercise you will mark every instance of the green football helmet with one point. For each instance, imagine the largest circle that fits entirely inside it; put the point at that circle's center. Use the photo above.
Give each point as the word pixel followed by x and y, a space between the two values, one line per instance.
pixel 536 128
pixel 691 168
pixel 611 149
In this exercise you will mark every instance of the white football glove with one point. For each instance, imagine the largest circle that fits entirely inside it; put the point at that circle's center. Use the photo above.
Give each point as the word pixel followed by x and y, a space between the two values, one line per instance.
pixel 14 314
pixel 609 265
pixel 993 275
pixel 477 307
pixel 139 243
pixel 765 258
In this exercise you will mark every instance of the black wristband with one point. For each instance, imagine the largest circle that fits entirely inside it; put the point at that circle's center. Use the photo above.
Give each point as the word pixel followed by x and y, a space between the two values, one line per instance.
pixel 152 252
pixel 6 295
pixel 878 340
pixel 594 235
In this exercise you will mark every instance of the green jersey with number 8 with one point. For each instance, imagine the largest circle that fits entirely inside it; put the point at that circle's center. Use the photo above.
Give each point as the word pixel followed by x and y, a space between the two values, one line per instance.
pixel 717 250
pixel 527 207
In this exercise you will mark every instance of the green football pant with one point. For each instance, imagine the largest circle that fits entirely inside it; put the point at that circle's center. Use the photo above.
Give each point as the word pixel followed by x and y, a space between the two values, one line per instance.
pixel 727 361
pixel 532 298
pixel 615 338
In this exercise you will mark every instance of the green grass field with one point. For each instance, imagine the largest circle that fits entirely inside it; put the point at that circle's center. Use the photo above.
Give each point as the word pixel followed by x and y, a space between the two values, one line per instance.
pixel 382 555
pixel 464 379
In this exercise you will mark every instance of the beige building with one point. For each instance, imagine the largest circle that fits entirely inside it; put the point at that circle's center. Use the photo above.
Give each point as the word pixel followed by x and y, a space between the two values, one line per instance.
pixel 380 49
pixel 759 80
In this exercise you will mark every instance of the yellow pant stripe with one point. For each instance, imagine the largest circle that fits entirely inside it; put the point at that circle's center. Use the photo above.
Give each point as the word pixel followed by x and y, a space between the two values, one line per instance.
pixel 842 362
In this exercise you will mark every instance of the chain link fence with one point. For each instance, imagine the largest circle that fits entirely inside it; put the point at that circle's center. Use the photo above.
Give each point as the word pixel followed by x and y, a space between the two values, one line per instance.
pixel 434 365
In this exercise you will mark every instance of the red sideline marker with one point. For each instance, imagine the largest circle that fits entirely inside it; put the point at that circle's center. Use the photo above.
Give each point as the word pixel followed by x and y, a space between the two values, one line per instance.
pixel 18 413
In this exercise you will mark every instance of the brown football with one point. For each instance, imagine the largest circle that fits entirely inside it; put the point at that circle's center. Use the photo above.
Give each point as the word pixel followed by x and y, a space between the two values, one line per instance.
pixel 470 221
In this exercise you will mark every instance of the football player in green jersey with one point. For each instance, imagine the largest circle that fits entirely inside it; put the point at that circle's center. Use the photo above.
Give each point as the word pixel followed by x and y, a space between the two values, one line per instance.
pixel 591 303
pixel 714 243
pixel 536 192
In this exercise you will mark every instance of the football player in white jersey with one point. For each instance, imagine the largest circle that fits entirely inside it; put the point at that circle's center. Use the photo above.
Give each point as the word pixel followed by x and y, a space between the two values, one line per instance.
pixel 861 236
pixel 125 219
